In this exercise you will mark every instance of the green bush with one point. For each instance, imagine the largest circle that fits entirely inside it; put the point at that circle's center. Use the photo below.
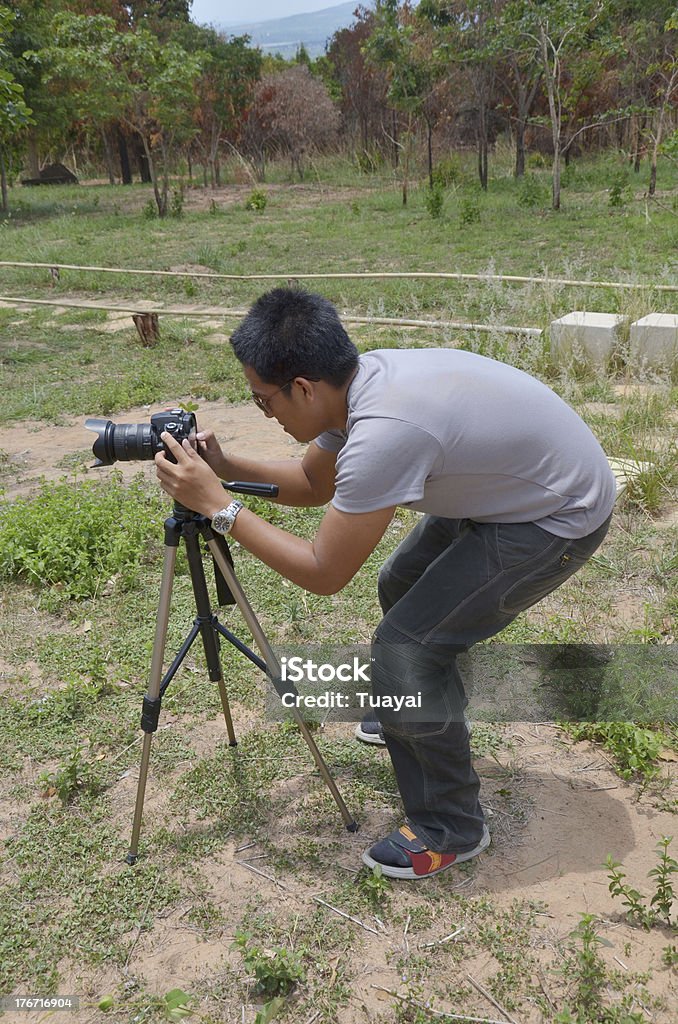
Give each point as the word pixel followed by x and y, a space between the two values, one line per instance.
pixel 256 200
pixel 78 536
pixel 434 199
pixel 448 172
pixel 531 192
pixel 469 209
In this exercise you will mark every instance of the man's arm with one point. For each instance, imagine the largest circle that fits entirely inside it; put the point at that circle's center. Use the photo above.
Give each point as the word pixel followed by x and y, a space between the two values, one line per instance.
pixel 301 482
pixel 322 566
pixel 327 563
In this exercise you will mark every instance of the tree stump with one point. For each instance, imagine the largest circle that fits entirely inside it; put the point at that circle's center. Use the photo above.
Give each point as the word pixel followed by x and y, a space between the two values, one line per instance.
pixel 147 328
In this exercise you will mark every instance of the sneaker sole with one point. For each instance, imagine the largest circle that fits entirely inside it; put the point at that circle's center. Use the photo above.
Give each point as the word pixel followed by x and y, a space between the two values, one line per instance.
pixel 368 737
pixel 408 873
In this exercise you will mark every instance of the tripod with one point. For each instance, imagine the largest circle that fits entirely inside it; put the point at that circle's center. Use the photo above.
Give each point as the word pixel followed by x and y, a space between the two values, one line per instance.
pixel 189 527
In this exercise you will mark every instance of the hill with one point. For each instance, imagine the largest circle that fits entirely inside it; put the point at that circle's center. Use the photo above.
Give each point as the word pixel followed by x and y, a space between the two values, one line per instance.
pixel 284 35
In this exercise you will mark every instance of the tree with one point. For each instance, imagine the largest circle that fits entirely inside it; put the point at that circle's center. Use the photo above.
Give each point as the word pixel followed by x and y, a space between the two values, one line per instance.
pixel 465 38
pixel 292 113
pixel 149 86
pixel 565 32
pixel 224 90
pixel 399 46
pixel 361 87
pixel 664 72
pixel 15 115
pixel 520 70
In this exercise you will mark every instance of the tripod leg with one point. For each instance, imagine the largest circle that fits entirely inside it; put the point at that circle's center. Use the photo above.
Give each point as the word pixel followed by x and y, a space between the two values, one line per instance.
pixel 152 699
pixel 274 669
pixel 205 618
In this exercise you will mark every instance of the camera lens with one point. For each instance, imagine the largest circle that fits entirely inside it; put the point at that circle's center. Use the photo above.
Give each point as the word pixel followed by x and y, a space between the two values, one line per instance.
pixel 122 442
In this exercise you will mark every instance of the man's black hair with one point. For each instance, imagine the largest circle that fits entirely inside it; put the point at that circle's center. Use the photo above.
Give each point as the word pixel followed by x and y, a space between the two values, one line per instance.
pixel 292 333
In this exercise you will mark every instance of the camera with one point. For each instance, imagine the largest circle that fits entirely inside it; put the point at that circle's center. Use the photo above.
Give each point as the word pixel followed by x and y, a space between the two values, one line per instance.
pixel 124 442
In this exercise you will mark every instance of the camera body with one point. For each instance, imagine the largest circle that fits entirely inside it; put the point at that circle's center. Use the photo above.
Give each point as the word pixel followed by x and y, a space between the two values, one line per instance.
pixel 124 442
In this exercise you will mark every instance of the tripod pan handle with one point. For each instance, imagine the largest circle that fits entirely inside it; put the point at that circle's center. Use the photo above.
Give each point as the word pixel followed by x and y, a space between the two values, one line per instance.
pixel 245 487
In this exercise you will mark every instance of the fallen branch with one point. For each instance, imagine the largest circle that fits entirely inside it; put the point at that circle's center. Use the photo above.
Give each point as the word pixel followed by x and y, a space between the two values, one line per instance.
pixel 490 998
pixel 443 1014
pixel 349 917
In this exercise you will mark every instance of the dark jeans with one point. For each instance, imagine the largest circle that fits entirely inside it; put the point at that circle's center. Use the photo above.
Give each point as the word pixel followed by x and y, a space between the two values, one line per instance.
pixel 451 583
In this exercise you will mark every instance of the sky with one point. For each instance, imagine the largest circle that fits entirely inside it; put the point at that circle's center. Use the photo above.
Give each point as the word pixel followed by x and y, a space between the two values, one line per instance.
pixel 235 12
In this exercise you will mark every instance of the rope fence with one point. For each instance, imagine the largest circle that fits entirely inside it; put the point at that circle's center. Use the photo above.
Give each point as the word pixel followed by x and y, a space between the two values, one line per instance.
pixel 357 275
pixel 223 313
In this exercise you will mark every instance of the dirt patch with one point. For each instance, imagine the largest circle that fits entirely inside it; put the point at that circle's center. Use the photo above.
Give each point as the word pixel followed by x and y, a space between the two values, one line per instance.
pixel 35 452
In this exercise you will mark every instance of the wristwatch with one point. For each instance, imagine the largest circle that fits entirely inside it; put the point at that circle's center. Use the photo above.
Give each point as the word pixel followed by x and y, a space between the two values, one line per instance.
pixel 222 521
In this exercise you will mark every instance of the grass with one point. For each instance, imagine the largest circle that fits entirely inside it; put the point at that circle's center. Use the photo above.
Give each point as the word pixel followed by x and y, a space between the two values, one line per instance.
pixel 76 632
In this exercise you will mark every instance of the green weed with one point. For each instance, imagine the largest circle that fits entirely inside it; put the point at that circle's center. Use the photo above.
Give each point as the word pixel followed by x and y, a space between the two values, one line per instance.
pixel 634 749
pixel 78 537
pixel 72 779
pixel 659 908
pixel 276 971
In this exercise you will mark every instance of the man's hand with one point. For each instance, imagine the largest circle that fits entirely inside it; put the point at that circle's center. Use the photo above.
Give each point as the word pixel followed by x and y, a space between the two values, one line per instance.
pixel 211 451
pixel 191 481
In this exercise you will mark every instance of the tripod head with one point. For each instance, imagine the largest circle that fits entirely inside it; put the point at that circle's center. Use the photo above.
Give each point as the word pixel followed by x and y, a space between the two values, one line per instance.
pixel 185 519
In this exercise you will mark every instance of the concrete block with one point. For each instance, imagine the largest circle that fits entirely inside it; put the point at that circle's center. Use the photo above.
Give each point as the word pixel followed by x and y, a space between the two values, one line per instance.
pixel 585 337
pixel 654 340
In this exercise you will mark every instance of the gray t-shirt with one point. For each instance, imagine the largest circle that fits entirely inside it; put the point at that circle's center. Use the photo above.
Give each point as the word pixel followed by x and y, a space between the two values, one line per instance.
pixel 458 435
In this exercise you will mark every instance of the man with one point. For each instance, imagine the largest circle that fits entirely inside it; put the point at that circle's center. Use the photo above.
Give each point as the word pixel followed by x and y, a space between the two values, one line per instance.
pixel 517 494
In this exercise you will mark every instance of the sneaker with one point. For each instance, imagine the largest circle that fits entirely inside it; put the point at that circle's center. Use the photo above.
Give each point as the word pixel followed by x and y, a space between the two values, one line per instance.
pixel 402 855
pixel 370 730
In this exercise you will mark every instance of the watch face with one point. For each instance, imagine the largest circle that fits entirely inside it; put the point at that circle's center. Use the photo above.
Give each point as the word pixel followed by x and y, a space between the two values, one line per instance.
pixel 222 521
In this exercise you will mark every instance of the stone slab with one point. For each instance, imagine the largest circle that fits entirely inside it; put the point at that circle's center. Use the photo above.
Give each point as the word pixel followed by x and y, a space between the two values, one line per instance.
pixel 585 337
pixel 654 340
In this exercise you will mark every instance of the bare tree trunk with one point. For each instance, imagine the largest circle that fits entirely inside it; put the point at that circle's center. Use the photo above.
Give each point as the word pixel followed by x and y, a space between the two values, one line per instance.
pixel 519 169
pixel 108 156
pixel 638 144
pixel 123 153
pixel 555 118
pixel 671 84
pixel 4 194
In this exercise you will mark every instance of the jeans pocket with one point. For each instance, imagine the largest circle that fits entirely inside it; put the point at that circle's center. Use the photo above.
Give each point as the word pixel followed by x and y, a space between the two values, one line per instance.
pixel 542 579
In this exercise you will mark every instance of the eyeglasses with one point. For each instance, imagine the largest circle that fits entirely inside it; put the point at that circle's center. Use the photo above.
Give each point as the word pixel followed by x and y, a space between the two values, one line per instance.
pixel 264 403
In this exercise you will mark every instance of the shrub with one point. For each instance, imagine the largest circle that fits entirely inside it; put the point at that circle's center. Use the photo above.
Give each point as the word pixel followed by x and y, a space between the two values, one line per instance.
pixel 469 209
pixel 434 199
pixel 256 201
pixel 448 172
pixel 78 536
pixel 531 192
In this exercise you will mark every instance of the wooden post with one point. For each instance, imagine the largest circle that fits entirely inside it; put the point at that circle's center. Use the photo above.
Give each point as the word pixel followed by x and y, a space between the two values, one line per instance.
pixel 147 328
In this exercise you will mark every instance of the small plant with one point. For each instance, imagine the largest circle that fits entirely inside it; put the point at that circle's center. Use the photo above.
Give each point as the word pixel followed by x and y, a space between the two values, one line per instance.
pixel 177 202
pixel 619 192
pixel 635 749
pixel 149 211
pixel 469 210
pixel 256 200
pixel 434 197
pixel 79 538
pixel 587 969
pixel 531 192
pixel 375 886
pixel 447 172
pixel 276 971
pixel 661 902
pixel 670 956
pixel 72 779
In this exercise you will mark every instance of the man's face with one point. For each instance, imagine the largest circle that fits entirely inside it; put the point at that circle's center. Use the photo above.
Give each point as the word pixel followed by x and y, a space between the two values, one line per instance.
pixel 296 405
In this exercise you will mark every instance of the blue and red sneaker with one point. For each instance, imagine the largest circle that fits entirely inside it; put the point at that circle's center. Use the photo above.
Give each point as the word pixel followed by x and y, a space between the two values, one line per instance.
pixel 403 855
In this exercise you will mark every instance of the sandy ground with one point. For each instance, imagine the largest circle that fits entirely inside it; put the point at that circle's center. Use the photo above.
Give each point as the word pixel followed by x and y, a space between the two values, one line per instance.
pixel 569 811
pixel 38 452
